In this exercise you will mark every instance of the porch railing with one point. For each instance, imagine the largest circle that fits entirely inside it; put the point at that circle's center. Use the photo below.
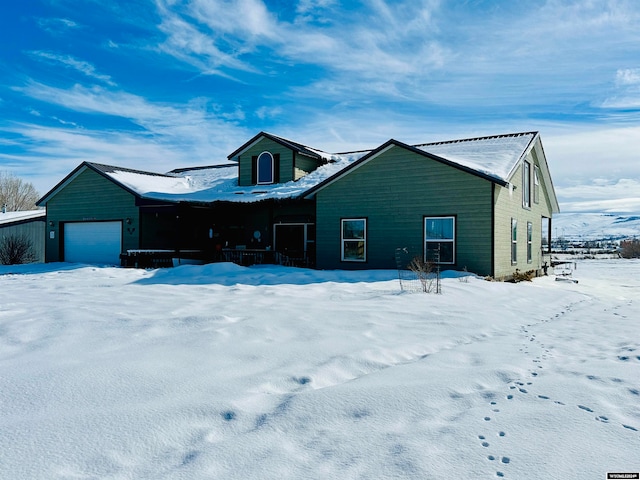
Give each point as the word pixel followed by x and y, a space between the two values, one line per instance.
pixel 156 258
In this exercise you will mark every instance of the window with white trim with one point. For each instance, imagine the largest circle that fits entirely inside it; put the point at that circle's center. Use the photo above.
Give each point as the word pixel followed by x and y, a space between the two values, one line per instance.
pixel 353 239
pixel 440 239
pixel 526 184
pixel 529 242
pixel 514 241
pixel 264 168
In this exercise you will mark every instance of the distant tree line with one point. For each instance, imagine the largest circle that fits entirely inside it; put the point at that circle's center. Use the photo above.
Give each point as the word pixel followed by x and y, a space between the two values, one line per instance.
pixel 16 194
pixel 630 248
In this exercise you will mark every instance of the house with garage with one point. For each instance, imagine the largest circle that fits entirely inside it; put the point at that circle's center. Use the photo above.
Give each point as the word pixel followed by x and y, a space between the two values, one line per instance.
pixel 482 204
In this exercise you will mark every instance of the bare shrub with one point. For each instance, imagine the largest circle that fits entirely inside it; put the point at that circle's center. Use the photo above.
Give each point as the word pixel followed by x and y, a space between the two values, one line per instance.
pixel 630 248
pixel 16 249
pixel 424 272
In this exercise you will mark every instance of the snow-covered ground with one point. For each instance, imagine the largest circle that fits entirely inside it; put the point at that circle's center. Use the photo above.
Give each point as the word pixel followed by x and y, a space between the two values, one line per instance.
pixel 225 372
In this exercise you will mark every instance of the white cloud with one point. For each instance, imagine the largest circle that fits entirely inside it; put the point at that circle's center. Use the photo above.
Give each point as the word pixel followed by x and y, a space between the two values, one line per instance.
pixel 69 61
pixel 382 42
pixel 165 136
pixel 268 112
pixel 194 47
pixel 57 25
pixel 627 94
pixel 584 152
pixel 628 76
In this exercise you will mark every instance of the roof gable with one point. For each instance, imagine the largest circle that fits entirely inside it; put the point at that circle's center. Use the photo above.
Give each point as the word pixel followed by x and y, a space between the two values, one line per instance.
pixel 294 146
pixel 485 170
pixel 122 177
pixel 541 159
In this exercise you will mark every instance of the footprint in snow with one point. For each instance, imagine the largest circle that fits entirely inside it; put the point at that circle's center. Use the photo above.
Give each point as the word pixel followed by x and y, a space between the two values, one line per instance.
pixel 228 415
pixel 301 380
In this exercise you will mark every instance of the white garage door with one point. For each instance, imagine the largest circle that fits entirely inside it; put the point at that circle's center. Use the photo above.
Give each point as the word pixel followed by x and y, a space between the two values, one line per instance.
pixel 93 242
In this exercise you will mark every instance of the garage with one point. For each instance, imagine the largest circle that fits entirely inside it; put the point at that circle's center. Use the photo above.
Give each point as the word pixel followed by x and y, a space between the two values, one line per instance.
pixel 93 242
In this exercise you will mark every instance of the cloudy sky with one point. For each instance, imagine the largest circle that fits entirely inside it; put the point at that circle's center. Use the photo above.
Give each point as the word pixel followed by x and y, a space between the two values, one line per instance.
pixel 156 85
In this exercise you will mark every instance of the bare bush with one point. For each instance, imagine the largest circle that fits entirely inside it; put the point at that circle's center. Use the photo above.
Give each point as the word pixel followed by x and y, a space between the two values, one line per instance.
pixel 424 272
pixel 16 249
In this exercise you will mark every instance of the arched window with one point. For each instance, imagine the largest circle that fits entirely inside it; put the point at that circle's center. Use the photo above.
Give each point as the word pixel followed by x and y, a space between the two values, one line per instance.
pixel 265 168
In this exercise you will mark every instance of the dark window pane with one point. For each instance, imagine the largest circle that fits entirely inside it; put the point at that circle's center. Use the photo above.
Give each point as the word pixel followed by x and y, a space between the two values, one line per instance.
pixel 265 168
pixel 440 252
pixel 353 229
pixel 353 250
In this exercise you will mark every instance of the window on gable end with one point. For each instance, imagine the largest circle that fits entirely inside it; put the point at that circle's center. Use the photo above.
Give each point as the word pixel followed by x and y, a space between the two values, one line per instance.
pixel 526 185
pixel 536 184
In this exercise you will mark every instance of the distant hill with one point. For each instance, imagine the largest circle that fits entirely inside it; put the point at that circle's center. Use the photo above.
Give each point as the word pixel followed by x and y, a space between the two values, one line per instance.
pixel 595 226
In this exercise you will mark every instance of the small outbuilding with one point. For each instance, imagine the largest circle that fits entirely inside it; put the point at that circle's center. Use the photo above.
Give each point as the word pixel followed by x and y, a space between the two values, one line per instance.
pixel 26 225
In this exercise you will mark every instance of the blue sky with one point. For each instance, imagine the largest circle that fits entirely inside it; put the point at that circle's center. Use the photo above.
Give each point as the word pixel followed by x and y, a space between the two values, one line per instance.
pixel 157 85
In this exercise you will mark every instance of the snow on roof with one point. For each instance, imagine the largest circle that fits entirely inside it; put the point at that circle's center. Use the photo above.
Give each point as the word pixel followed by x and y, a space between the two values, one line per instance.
pixel 10 217
pixel 220 183
pixel 143 183
pixel 495 156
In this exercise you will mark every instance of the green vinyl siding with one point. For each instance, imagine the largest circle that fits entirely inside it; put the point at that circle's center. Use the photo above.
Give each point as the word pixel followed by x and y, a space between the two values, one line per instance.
pixel 90 197
pixel 304 165
pixel 33 230
pixel 508 205
pixel 395 191
pixel 265 145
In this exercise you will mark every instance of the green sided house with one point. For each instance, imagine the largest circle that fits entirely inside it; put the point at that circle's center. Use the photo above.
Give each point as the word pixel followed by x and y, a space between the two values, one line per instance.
pixel 481 204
